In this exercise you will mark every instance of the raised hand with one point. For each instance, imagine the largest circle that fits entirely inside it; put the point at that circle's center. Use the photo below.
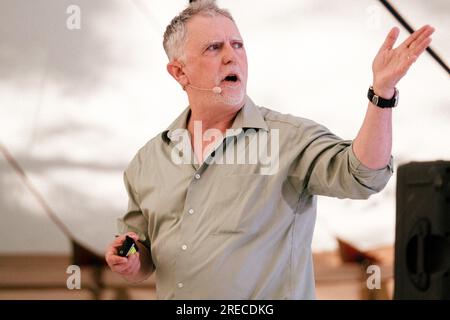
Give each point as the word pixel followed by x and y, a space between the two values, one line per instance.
pixel 390 64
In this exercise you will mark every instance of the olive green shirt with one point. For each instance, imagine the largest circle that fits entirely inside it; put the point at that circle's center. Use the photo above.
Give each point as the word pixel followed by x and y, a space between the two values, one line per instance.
pixel 221 230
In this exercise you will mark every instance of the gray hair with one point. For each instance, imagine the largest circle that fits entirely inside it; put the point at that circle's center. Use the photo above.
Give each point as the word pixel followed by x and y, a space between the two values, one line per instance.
pixel 175 34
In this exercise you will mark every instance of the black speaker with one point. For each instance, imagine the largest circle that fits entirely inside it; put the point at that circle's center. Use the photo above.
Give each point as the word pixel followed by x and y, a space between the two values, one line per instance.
pixel 422 236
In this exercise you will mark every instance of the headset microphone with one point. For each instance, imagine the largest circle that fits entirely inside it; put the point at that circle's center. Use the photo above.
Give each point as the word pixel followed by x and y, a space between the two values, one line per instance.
pixel 216 90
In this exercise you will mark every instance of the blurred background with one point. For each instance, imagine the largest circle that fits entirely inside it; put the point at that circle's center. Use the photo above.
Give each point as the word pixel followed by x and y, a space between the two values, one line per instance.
pixel 83 85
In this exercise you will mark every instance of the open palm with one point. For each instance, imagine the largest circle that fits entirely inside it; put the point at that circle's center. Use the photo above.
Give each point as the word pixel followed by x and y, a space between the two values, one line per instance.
pixel 390 64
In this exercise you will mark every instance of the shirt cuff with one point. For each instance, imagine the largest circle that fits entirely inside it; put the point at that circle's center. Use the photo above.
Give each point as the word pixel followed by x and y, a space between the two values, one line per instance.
pixel 375 179
pixel 357 166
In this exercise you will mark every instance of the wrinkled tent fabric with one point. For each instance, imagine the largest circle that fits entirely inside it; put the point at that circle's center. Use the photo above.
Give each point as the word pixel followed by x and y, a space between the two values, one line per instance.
pixel 77 104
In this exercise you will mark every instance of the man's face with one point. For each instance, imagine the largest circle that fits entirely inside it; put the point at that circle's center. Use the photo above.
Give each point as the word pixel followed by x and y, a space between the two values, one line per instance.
pixel 215 56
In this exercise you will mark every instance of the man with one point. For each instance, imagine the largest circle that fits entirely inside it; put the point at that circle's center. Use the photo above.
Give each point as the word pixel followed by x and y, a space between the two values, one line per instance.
pixel 216 229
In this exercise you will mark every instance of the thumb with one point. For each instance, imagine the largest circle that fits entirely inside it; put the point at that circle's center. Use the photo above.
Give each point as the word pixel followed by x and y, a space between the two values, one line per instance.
pixel 133 235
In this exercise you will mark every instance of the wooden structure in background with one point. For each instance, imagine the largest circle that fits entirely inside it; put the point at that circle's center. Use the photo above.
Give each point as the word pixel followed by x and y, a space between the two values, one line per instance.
pixel 44 277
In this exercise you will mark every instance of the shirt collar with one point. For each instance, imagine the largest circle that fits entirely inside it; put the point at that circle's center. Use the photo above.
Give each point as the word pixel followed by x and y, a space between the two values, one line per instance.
pixel 248 117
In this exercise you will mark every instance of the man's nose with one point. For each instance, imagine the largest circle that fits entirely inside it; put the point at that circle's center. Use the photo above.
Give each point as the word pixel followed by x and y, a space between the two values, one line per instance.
pixel 229 54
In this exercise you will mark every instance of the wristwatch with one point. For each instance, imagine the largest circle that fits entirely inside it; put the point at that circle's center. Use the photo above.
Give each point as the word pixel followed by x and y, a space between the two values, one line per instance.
pixel 381 102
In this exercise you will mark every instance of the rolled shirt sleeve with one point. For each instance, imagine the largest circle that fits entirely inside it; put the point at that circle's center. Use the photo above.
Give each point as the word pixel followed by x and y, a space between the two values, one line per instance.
pixel 327 165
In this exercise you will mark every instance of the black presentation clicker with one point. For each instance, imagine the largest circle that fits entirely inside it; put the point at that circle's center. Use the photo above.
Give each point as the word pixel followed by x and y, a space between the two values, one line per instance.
pixel 128 247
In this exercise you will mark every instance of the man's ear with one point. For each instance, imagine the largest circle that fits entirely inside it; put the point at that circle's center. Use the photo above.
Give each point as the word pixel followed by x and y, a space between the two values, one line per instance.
pixel 175 68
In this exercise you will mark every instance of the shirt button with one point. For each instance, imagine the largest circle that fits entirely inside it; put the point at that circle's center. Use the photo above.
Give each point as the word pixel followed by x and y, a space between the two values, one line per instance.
pixel 191 211
pixel 197 176
pixel 180 285
pixel 183 247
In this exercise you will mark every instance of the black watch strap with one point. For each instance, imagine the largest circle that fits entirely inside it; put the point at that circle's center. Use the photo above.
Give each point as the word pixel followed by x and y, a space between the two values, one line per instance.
pixel 381 102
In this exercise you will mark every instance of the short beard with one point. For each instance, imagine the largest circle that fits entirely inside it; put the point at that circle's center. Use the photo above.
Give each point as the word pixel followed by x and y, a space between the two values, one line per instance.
pixel 230 99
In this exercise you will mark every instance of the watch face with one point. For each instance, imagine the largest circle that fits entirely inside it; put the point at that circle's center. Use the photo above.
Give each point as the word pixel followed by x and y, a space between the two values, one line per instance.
pixel 375 100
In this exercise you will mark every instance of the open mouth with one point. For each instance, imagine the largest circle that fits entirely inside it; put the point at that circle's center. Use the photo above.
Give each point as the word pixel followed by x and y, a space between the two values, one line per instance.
pixel 231 79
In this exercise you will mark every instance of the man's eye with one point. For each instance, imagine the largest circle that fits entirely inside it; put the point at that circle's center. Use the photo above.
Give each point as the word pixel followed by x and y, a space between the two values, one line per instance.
pixel 238 45
pixel 213 47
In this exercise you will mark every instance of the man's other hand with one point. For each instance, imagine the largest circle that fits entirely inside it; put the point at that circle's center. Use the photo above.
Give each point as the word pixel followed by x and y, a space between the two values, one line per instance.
pixel 127 267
